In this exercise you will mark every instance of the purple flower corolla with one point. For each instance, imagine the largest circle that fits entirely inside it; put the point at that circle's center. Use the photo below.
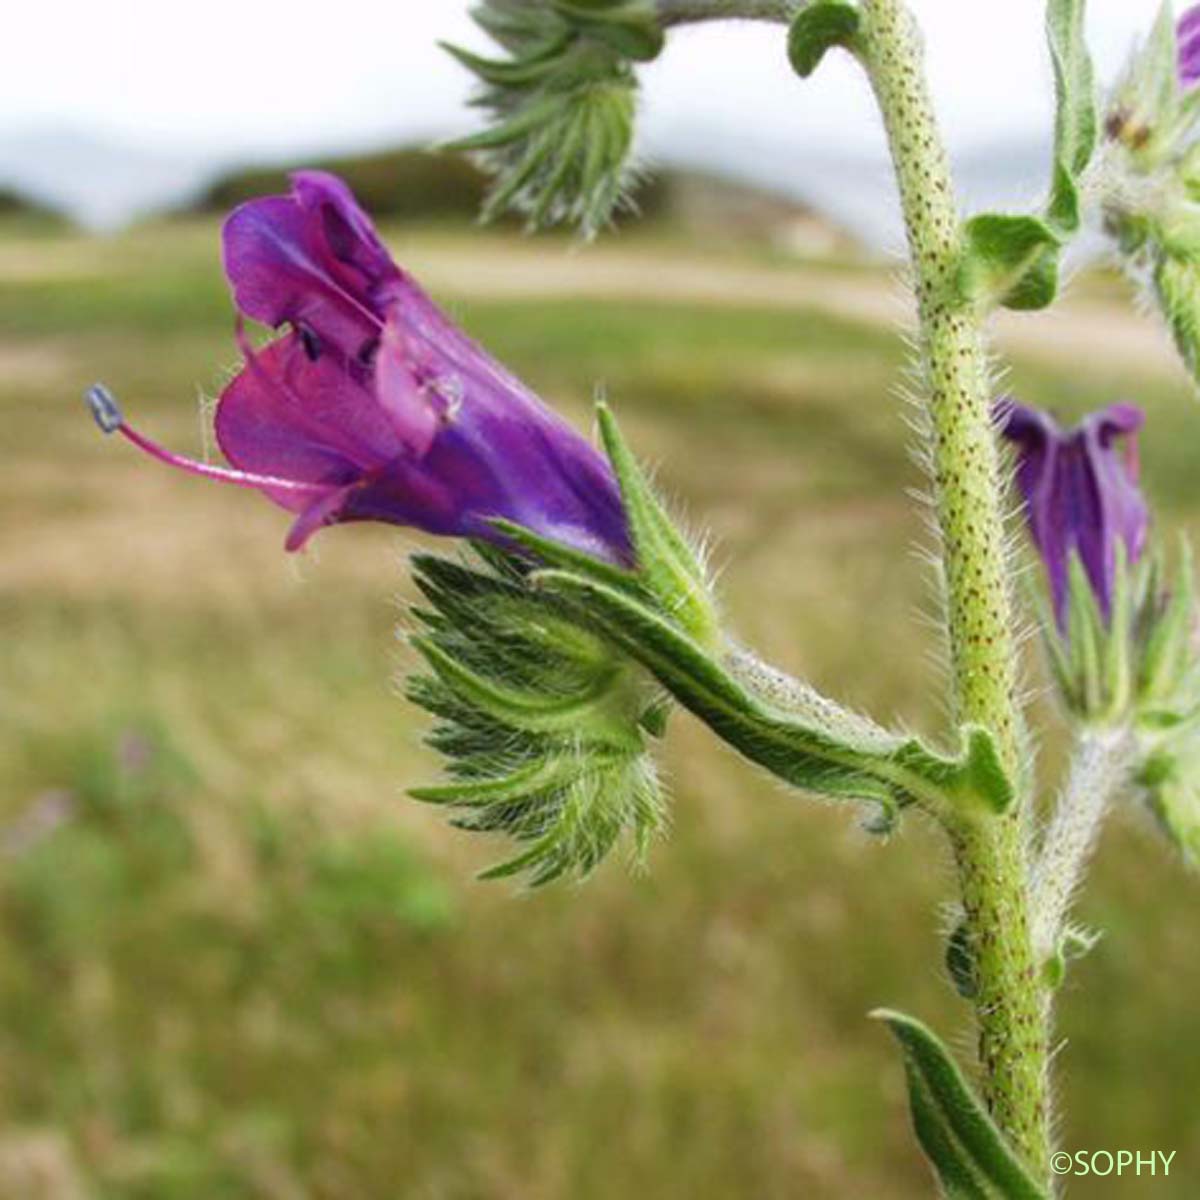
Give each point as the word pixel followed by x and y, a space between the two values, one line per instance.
pixel 373 406
pixel 1081 493
pixel 1187 34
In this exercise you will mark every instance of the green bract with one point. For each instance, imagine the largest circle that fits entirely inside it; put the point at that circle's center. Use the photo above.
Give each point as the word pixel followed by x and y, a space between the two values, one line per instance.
pixel 1010 260
pixel 541 723
pixel 1139 666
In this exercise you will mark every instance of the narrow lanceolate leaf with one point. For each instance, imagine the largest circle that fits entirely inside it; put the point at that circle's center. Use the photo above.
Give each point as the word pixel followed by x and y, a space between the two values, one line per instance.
pixel 1010 260
pixel 970 1155
pixel 815 746
pixel 1075 115
pixel 818 26
pixel 668 566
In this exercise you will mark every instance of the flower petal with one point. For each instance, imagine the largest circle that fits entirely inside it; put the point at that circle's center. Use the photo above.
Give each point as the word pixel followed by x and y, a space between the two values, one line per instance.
pixel 311 258
pixel 321 512
pixel 286 415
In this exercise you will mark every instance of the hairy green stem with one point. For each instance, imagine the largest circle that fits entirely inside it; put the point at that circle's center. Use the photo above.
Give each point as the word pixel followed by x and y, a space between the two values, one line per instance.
pixel 990 851
pixel 683 12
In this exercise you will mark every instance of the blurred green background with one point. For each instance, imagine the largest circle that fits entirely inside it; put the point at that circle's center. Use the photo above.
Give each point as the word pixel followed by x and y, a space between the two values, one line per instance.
pixel 235 961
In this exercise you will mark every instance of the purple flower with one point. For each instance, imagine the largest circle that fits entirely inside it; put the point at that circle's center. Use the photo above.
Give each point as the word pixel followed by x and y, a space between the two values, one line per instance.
pixel 373 406
pixel 1187 33
pixel 1081 493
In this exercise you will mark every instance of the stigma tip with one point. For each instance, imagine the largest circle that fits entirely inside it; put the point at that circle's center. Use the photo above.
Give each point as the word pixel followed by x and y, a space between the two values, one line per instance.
pixel 105 410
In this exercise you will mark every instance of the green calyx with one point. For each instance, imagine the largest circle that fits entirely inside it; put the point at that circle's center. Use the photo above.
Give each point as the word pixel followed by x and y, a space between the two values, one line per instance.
pixel 1138 666
pixel 562 104
pixel 542 724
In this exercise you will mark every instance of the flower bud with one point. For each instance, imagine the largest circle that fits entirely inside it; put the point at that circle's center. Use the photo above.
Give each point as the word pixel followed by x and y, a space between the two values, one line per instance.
pixel 1104 627
pixel 562 104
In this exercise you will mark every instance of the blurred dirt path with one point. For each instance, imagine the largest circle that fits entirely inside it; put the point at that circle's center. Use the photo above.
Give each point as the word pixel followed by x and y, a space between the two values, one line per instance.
pixel 1092 329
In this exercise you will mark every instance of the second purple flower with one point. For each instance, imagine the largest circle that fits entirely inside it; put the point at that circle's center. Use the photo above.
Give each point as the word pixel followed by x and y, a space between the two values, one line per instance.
pixel 1080 488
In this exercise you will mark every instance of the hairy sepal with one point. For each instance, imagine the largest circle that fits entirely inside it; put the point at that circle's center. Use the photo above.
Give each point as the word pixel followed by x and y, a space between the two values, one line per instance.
pixel 541 721
pixel 1094 659
pixel 970 1155
pixel 668 566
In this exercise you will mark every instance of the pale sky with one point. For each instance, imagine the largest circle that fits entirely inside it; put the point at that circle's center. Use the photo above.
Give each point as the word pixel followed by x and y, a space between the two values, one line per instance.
pixel 255 75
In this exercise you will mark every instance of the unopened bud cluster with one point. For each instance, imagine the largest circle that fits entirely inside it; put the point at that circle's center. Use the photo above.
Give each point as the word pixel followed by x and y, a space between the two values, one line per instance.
pixel 562 102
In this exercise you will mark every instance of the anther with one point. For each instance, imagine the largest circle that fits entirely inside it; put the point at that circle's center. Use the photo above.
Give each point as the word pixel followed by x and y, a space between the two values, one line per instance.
pixel 106 412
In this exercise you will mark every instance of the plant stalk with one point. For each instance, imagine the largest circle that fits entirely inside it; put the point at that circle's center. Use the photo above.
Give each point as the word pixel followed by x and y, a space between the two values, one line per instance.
pixel 990 851
pixel 1100 768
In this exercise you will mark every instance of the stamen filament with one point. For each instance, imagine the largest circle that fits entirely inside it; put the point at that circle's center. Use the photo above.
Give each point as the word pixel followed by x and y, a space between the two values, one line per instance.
pixel 108 416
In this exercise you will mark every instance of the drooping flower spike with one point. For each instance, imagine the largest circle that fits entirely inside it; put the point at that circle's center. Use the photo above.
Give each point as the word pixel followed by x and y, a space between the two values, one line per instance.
pixel 1187 33
pixel 373 406
pixel 1081 493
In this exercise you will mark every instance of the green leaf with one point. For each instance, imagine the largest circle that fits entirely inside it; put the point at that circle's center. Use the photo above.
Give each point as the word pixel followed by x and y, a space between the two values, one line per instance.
pixel 968 1152
pixel 821 749
pixel 1075 116
pixel 983 772
pixel 1011 260
pixel 818 26
pixel 667 564
pixel 1166 650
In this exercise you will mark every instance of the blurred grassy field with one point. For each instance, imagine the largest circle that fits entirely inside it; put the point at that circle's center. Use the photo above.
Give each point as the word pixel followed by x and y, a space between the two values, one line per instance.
pixel 235 962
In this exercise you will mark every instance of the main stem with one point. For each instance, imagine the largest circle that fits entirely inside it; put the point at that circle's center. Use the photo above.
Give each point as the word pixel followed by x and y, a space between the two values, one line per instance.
pixel 990 851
